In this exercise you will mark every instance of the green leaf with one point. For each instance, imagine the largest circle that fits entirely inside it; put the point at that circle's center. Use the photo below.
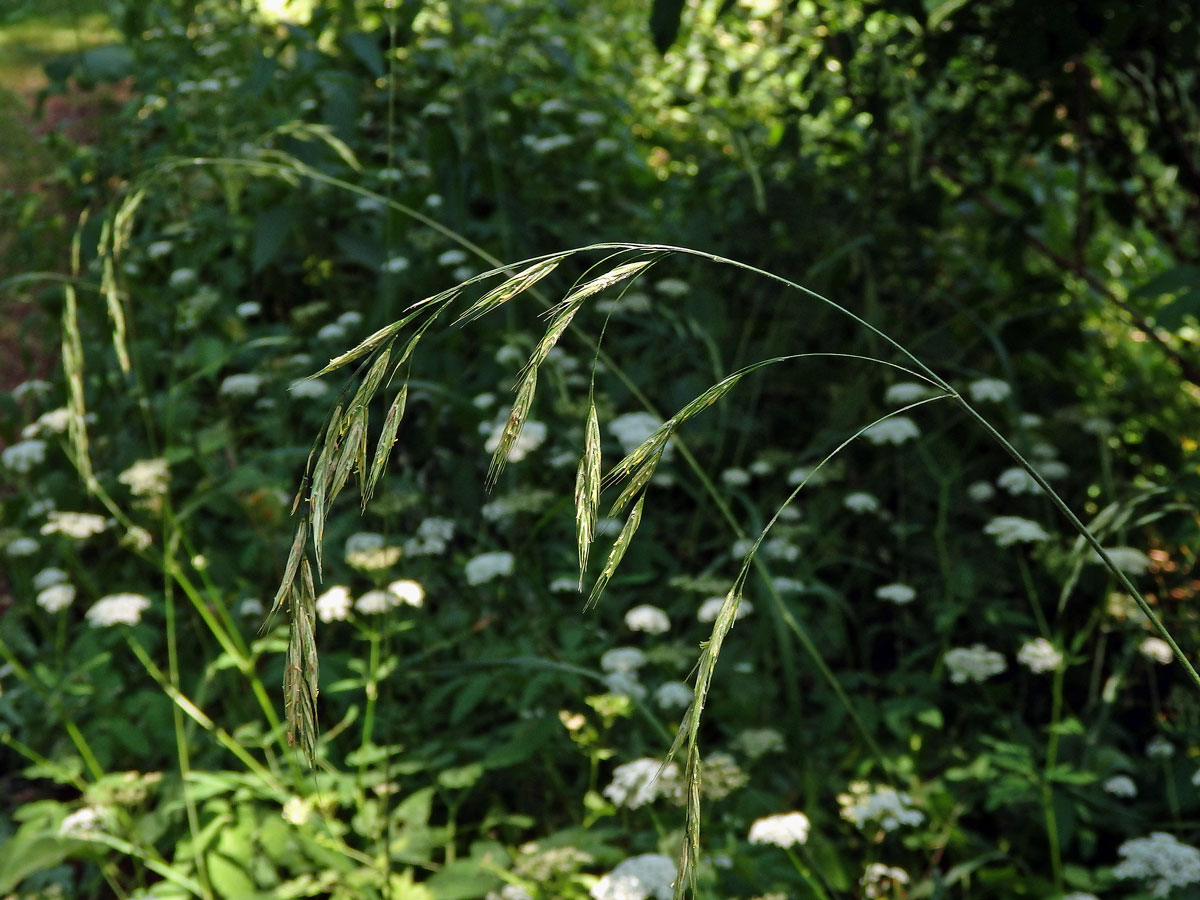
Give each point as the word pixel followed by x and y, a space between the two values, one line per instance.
pixel 665 17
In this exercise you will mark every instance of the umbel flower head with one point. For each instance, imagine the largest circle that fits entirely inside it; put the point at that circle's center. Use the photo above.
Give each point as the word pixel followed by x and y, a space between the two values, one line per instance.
pixel 638 878
pixel 783 830
pixel 643 781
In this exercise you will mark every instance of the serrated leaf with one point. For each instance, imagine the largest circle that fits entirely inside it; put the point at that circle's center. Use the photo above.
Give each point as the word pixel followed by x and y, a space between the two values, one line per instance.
pixel 512 428
pixel 617 553
pixel 387 437
pixel 587 489
pixel 502 293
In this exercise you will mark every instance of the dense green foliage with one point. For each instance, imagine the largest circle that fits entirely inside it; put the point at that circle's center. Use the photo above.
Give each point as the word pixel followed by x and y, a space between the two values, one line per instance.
pixel 928 662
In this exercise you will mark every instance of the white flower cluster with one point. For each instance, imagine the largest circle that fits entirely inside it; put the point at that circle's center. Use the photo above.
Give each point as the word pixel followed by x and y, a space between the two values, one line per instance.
pixel 243 384
pixel 897 593
pixel 1160 859
pixel 1121 786
pixel 895 430
pixel 22 456
pixel 334 604
pixel 974 663
pixel 620 665
pixel 650 875
pixel 783 830
pixel 487 566
pixel 1009 530
pixel 643 781
pixel 673 695
pixel 905 392
pixel 146 477
pixel 1018 481
pixel 884 805
pixel 647 618
pixel 118 609
pixel 432 538
pixel 56 597
pixel 987 390
pixel 83 822
pixel 861 502
pixel 1129 560
pixel 756 742
pixel 880 880
pixel 1039 655
pixel 77 525
pixel 1158 650
pixel 369 552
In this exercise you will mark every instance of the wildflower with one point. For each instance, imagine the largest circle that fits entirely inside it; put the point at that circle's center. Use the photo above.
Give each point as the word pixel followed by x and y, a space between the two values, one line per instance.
pixel 146 477
pixel 56 598
pixel 647 618
pixel 546 145
pixel 486 566
pixel 622 659
pixel 673 287
pixel 351 318
pixel 562 584
pixel 73 524
pixel 244 384
pixel 721 776
pixel 369 552
pixel 250 607
pixel 1053 469
pixel 375 602
pixel 396 265
pixel 625 683
pixel 907 392
pixel 643 781
pixel 1121 786
pixel 331 332
pixel 296 810
pixel 712 606
pixel 861 502
pixel 673 694
pixel 1039 655
pixel 553 105
pixel 1159 748
pixel 974 663
pixel 885 805
pixel 118 609
pixel 83 822
pixel 181 277
pixel 893 430
pixel 451 258
pixel 22 546
pixel 897 593
pixel 158 249
pixel 989 390
pixel 1160 859
pixel 778 548
pixel 248 309
pixel 484 400
pixel 509 891
pixel 1097 426
pixel 632 429
pixel 880 880
pixel 308 388
pixel 56 420
pixel 334 604
pixel 47 577
pixel 22 456
pixel 589 118
pixel 735 477
pixel 1018 481
pixel 981 491
pixel 1129 560
pixel 1157 650
pixel 650 875
pixel 408 592
pixel 783 830
pixel 756 742
pixel 389 174
pixel 433 537
pixel 1009 530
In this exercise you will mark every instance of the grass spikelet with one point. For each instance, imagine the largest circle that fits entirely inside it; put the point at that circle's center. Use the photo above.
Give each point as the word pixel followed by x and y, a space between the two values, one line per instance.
pixel 292 567
pixel 620 545
pixel 502 293
pixel 301 675
pixel 353 452
pixel 368 344
pixel 319 497
pixel 383 449
pixel 639 480
pixel 596 285
pixel 587 489
pixel 371 381
pixel 512 428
